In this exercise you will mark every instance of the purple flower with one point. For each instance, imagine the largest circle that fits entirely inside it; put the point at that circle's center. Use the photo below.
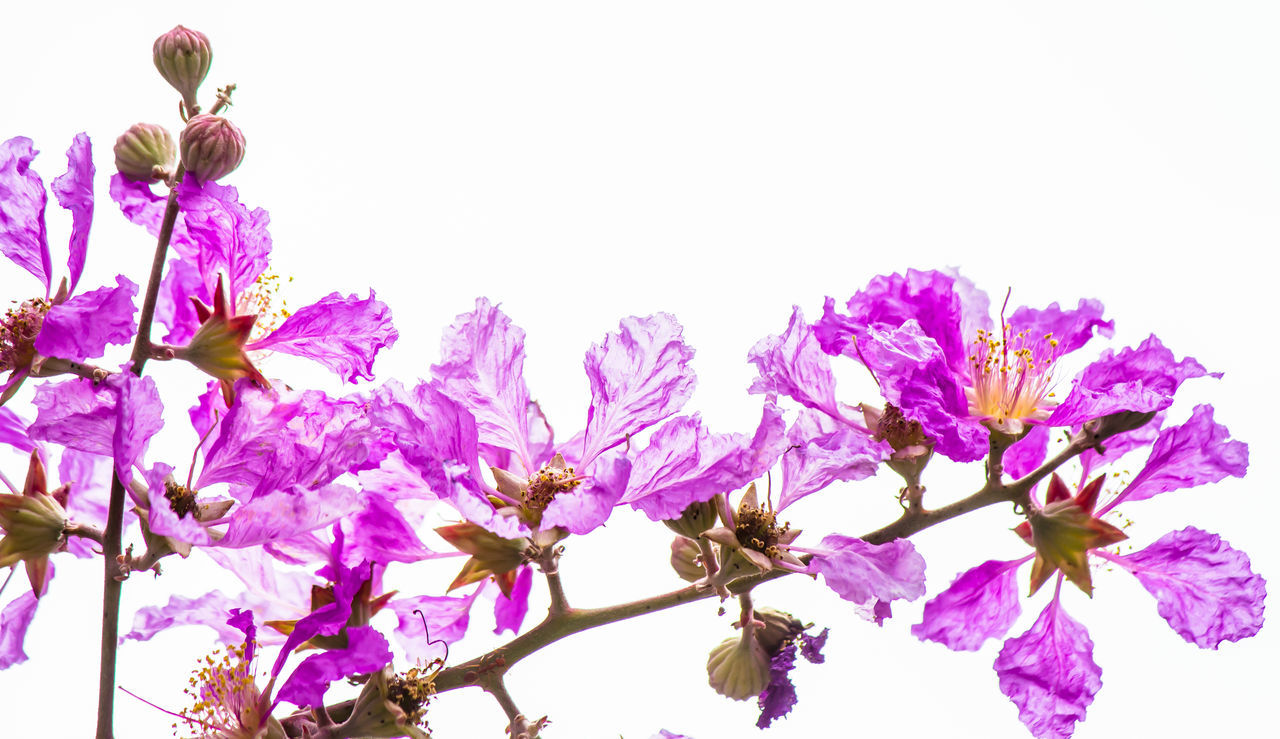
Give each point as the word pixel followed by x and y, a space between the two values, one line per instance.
pixel 60 325
pixel 1204 589
pixel 927 339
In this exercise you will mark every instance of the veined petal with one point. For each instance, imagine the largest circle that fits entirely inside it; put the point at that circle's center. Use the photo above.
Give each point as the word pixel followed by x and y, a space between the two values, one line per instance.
pixel 283 514
pixel 1072 329
pixel 1195 453
pixel 794 365
pixel 343 334
pixel 76 414
pixel 1049 673
pixel 15 619
pixel 823 451
pixel 145 208
pixel 981 604
pixel 509 613
pixel 81 327
pixel 1027 453
pixel 482 368
pixel 74 191
pixel 230 238
pixel 382 535
pixel 446 617
pixel 1206 590
pixel 181 282
pixel 13 431
pixel 139 416
pixel 209 610
pixel 1142 379
pixel 22 202
pixel 639 376
pixel 862 572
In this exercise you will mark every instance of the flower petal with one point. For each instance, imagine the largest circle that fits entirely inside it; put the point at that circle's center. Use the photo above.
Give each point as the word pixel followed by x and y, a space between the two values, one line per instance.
pixel 139 416
pixel 823 451
pixel 74 191
pixel 181 283
pixel 75 414
pixel 482 368
pixel 343 334
pixel 509 613
pixel 779 697
pixel 81 327
pixel 209 610
pixel 861 572
pixel 283 514
pixel 230 238
pixel 367 651
pixel 1049 673
pixel 22 202
pixel 638 377
pixel 1195 453
pixel 447 618
pixel 1027 453
pixel 1142 379
pixel 1205 589
pixel 980 604
pixel 794 365
pixel 1072 329
pixel 13 431
pixel 145 208
pixel 14 621
pixel 382 535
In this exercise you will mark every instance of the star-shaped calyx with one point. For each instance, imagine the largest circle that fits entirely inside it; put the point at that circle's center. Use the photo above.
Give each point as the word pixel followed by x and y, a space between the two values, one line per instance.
pixel 217 348
pixel 1064 531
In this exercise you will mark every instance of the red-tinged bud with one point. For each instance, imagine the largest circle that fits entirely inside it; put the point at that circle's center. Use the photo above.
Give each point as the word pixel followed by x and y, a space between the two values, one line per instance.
pixel 182 56
pixel 145 152
pixel 217 348
pixel 34 526
pixel 1063 533
pixel 211 147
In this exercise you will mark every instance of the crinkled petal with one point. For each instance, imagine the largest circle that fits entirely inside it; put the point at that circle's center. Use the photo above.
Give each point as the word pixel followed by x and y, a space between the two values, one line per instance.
pixel 1119 445
pixel 139 416
pixel 822 452
pixel 859 572
pixel 74 191
pixel 13 431
pixel 282 514
pixel 209 610
pixel 145 208
pixel 76 414
pixel 343 334
pixel 811 646
pixel 14 621
pixel 1049 673
pixel 509 613
pixel 794 365
pixel 930 298
pixel 639 376
pixel 382 535
pixel 779 697
pixel 1072 329
pixel 913 374
pixel 981 604
pixel 482 368
pixel 174 309
pixel 367 651
pixel 395 479
pixel 685 463
pixel 1206 590
pixel 586 507
pixel 22 202
pixel 332 617
pixel 275 438
pixel 1142 379
pixel 81 327
pixel 1195 453
pixel 446 617
pixel 230 238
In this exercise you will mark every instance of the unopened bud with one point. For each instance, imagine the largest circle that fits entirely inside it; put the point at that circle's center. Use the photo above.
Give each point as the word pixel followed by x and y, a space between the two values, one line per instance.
pixel 211 147
pixel 1111 424
pixel 182 57
pixel 695 519
pixel 779 627
pixel 739 668
pixel 684 559
pixel 145 152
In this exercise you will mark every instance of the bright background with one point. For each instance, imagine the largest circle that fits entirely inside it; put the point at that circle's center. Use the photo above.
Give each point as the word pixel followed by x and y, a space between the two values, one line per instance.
pixel 580 162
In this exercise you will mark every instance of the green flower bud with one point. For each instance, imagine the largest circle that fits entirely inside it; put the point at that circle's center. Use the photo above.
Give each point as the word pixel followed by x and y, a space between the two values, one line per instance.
pixel 145 152
pixel 738 669
pixel 695 519
pixel 779 627
pixel 684 559
pixel 182 57
pixel 211 147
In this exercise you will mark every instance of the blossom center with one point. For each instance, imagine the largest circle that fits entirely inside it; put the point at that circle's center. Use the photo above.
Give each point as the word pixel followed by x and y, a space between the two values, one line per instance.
pixel 18 332
pixel 182 500
pixel 225 694
pixel 547 483
pixel 410 693
pixel 757 528
pixel 1011 378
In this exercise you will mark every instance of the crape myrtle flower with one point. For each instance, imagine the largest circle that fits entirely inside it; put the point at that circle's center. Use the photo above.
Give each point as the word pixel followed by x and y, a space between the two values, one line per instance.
pixel 930 343
pixel 218 241
pixel 1204 589
pixel 43 333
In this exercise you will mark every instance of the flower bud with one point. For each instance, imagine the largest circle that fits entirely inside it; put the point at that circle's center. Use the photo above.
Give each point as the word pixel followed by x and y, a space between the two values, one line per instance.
pixel 182 57
pixel 684 559
pixel 34 526
pixel 779 627
pixel 211 147
pixel 695 519
pixel 738 669
pixel 145 152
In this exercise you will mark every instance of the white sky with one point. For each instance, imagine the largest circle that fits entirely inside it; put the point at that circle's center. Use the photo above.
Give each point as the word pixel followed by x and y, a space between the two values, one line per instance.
pixel 580 162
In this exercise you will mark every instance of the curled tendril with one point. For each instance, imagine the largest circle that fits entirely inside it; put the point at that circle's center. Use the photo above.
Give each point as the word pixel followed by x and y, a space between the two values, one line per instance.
pixel 427 631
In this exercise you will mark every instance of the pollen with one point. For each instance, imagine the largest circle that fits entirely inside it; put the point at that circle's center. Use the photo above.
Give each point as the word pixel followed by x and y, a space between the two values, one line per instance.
pixel 547 483
pixel 757 528
pixel 411 692
pixel 1011 377
pixel 262 299
pixel 224 694
pixel 18 332
pixel 182 501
